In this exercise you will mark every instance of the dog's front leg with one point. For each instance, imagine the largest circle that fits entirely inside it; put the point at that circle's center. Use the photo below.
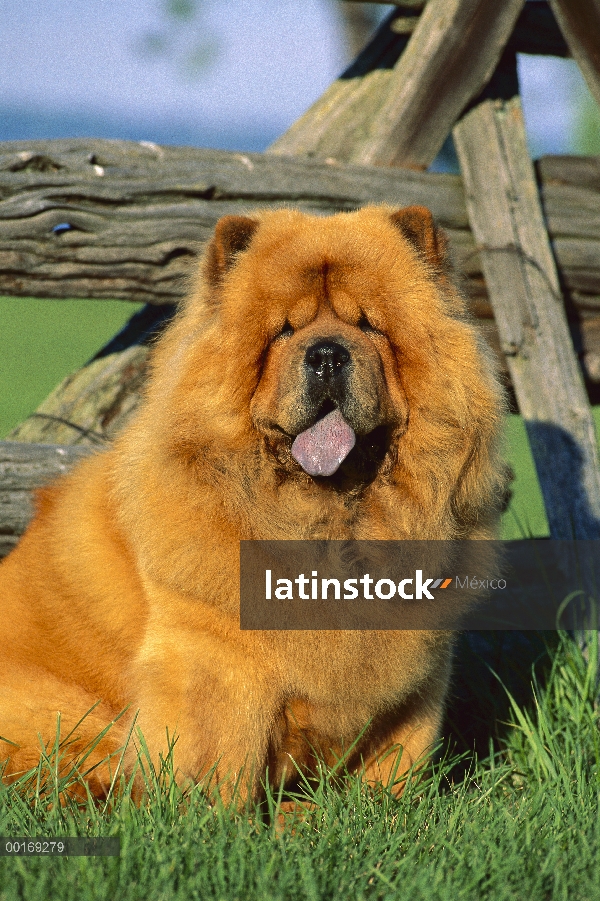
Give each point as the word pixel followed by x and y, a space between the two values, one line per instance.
pixel 205 710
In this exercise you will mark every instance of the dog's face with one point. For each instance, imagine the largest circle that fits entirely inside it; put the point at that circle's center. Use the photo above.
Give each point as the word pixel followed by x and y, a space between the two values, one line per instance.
pixel 330 353
pixel 323 325
pixel 325 365
pixel 330 396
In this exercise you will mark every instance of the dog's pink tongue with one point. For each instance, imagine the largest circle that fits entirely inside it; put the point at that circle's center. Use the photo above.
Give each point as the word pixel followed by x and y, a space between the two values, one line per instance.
pixel 322 448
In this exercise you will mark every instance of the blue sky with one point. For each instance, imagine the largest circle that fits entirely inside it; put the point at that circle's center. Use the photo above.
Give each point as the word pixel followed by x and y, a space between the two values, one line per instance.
pixel 82 58
pixel 75 67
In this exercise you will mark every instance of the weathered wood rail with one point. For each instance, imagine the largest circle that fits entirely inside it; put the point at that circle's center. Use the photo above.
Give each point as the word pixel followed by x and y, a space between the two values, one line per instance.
pixel 23 468
pixel 138 214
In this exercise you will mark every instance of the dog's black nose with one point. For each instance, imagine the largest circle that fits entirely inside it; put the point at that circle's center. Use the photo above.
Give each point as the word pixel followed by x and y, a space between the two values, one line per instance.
pixel 327 360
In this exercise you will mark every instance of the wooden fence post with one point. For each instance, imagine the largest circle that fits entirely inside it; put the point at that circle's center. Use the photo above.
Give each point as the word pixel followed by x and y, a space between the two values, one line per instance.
pixel 507 223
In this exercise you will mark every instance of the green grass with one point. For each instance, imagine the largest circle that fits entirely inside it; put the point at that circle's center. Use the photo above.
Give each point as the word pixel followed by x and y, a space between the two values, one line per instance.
pixel 42 341
pixel 526 516
pixel 520 820
pixel 521 823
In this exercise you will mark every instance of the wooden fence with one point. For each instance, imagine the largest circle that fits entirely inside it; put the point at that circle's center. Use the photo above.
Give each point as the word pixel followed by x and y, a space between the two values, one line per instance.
pixel 117 219
pixel 102 219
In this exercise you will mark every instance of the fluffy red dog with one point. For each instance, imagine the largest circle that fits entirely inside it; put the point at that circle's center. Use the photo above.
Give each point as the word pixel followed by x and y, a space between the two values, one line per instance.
pixel 125 589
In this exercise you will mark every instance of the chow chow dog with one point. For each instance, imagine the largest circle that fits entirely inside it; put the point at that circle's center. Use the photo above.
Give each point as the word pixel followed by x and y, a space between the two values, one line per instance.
pixel 322 380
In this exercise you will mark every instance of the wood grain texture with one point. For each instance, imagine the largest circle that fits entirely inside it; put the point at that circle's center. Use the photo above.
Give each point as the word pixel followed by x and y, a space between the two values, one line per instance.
pixel 451 56
pixel 138 226
pixel 417 87
pixel 23 469
pixel 523 285
pixel 138 215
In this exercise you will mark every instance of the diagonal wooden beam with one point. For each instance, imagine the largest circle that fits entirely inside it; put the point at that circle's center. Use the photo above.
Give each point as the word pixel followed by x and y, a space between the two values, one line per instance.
pixel 397 104
pixel 335 123
pixel 508 226
pixel 91 405
pixel 452 54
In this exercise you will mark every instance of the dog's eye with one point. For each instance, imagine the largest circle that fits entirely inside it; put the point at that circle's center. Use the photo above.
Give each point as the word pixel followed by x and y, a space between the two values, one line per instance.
pixel 286 332
pixel 364 324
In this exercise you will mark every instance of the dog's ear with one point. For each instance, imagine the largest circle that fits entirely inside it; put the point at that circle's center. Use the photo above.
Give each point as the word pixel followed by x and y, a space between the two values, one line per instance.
pixel 232 236
pixel 417 226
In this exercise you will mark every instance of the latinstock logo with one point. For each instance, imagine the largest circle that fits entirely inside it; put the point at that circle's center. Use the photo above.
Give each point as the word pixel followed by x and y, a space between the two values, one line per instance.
pixel 406 585
pixel 313 589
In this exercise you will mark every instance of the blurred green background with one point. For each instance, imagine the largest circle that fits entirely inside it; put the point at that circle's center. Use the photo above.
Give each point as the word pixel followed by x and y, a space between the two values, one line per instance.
pixel 42 341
